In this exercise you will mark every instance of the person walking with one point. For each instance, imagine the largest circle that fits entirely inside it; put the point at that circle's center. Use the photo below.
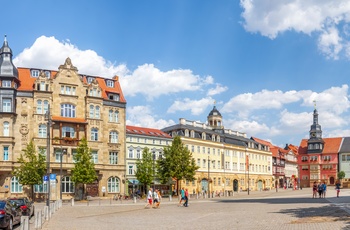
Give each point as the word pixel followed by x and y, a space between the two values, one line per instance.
pixel 337 187
pixel 149 198
pixel 324 189
pixel 157 198
pixel 320 190
pixel 314 190
pixel 182 193
pixel 186 198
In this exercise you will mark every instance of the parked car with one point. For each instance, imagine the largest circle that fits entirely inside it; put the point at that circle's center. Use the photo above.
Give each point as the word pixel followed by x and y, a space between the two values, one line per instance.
pixel 10 214
pixel 26 205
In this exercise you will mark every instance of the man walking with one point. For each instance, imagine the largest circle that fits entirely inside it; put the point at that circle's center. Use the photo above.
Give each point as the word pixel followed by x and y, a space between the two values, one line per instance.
pixel 182 193
pixel 186 198
pixel 149 198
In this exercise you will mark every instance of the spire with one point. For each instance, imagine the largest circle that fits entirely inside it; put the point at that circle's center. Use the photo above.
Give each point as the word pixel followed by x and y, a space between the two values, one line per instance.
pixel 7 68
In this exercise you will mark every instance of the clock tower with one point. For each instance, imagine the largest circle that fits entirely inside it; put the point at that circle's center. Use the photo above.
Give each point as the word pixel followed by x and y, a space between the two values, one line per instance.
pixel 315 142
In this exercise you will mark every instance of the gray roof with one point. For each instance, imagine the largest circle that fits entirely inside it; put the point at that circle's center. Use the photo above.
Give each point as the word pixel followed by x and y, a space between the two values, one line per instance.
pixel 7 68
pixel 345 147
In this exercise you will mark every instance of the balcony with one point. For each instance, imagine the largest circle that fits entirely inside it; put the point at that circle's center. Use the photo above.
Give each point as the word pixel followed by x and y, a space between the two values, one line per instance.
pixel 65 141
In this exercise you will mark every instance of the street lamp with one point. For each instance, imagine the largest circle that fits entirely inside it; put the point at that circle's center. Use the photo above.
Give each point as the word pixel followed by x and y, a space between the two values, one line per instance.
pixel 154 172
pixel 49 122
pixel 208 177
pixel 247 166
pixel 63 151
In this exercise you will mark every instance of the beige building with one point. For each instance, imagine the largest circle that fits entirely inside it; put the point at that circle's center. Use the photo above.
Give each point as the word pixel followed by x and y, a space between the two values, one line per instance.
pixel 137 139
pixel 80 106
pixel 228 161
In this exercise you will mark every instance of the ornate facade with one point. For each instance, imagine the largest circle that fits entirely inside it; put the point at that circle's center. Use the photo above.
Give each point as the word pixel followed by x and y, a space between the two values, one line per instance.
pixel 80 106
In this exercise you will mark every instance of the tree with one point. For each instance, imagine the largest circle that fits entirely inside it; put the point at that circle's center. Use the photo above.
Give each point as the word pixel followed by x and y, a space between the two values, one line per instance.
pixel 32 167
pixel 177 162
pixel 84 169
pixel 145 170
pixel 341 175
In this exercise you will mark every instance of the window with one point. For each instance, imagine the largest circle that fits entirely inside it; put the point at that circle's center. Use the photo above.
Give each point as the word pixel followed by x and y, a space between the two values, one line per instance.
pixel 68 90
pixel 34 73
pixel 39 109
pixel 131 152
pixel 42 131
pixel 113 137
pixel 113 116
pixel 92 111
pixel 138 153
pixel 67 185
pixel 68 131
pixel 42 86
pixel 6 153
pixel 90 79
pixel 67 110
pixel 16 187
pixel 97 112
pixel 114 97
pixel 113 158
pixel 110 83
pixel 94 154
pixel 6 84
pixel 94 134
pixel 113 185
pixel 74 153
pixel 6 129
pixel 40 188
pixel 219 165
pixel 199 162
pixel 6 105
pixel 131 169
pixel 47 73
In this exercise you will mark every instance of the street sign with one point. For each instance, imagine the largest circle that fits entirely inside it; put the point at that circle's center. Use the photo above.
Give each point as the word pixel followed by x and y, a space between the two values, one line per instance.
pixel 45 178
pixel 53 177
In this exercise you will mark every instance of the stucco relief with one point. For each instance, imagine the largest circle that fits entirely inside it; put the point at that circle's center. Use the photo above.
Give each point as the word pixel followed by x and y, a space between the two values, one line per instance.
pixel 24 130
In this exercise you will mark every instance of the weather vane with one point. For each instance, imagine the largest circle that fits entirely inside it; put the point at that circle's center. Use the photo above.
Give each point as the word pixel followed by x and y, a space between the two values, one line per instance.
pixel 314 101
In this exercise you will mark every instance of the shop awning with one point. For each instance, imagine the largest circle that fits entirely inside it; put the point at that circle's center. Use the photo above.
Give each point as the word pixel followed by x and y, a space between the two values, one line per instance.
pixel 134 181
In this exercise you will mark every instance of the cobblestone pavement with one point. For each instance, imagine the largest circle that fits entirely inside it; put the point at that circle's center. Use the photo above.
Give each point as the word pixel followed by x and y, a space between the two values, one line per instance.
pixel 284 210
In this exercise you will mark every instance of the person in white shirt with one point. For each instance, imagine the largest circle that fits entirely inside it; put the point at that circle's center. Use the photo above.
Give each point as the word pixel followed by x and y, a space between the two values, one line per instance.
pixel 149 198
pixel 156 195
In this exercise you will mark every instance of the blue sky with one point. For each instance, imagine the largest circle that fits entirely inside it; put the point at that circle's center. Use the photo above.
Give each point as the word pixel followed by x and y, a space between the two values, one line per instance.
pixel 263 62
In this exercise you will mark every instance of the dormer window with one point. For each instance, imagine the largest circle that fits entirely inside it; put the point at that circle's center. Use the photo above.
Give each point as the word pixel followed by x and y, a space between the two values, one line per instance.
pixel 95 92
pixel 110 83
pixel 35 73
pixel 47 73
pixel 90 79
pixel 114 97
pixel 6 84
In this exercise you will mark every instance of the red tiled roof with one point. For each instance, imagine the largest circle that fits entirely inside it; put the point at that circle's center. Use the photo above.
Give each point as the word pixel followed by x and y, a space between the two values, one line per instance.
pixel 267 143
pixel 146 131
pixel 27 83
pixel 331 145
pixel 68 119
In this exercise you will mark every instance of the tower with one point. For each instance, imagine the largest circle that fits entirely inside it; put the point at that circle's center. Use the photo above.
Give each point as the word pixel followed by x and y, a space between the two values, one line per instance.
pixel 215 119
pixel 315 142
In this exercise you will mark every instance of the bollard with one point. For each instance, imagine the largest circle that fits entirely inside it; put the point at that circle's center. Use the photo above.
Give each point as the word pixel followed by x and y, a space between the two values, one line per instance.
pixel 197 196
pixel 170 198
pixel 46 212
pixel 134 199
pixel 72 203
pixel 24 223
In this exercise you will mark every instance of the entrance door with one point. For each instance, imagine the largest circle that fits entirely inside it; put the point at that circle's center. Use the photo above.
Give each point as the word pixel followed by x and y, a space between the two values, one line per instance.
pixel 92 189
pixel 235 185
pixel 331 180
pixel 204 185
pixel 260 185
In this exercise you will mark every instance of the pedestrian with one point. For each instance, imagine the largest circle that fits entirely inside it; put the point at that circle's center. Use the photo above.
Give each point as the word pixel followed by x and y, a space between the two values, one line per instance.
pixel 324 189
pixel 337 187
pixel 314 190
pixel 320 189
pixel 149 198
pixel 182 194
pixel 186 198
pixel 157 198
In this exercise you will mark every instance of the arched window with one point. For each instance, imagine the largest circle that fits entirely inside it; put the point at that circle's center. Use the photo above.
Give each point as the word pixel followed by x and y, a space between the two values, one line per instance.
pixel 203 136
pixel 213 138
pixel 94 134
pixel 46 106
pixel 131 152
pixel 67 110
pixel 92 111
pixel 116 116
pixel 68 131
pixel 42 131
pixel 113 185
pixel 113 137
pixel 39 107
pixel 6 128
pixel 16 187
pixel 67 185
pixel 186 133
pixel 218 139
pixel 110 116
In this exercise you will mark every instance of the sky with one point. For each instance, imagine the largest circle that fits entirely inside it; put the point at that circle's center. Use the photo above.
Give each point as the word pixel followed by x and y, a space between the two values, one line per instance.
pixel 263 63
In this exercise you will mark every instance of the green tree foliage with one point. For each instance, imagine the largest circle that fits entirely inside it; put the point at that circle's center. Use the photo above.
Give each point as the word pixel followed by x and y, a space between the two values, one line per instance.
pixel 341 175
pixel 177 162
pixel 84 169
pixel 145 168
pixel 32 166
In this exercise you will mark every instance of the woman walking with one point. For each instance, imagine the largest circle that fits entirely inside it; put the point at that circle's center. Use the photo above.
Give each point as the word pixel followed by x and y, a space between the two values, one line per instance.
pixel 337 187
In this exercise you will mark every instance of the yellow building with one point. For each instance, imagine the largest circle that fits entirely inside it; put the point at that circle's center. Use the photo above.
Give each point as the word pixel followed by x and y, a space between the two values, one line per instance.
pixel 227 159
pixel 80 106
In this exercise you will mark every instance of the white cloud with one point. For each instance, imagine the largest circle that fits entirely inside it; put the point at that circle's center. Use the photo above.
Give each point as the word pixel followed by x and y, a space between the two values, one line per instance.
pixel 195 106
pixel 143 116
pixel 273 17
pixel 152 82
pixel 217 90
pixel 251 128
pixel 49 53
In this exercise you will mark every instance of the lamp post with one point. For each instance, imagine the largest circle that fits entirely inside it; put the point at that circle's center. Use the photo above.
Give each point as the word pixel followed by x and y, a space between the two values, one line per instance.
pixel 208 177
pixel 49 121
pixel 247 166
pixel 154 177
pixel 63 151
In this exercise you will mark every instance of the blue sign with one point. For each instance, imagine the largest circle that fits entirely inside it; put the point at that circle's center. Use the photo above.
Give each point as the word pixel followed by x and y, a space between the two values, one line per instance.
pixel 46 178
pixel 53 177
